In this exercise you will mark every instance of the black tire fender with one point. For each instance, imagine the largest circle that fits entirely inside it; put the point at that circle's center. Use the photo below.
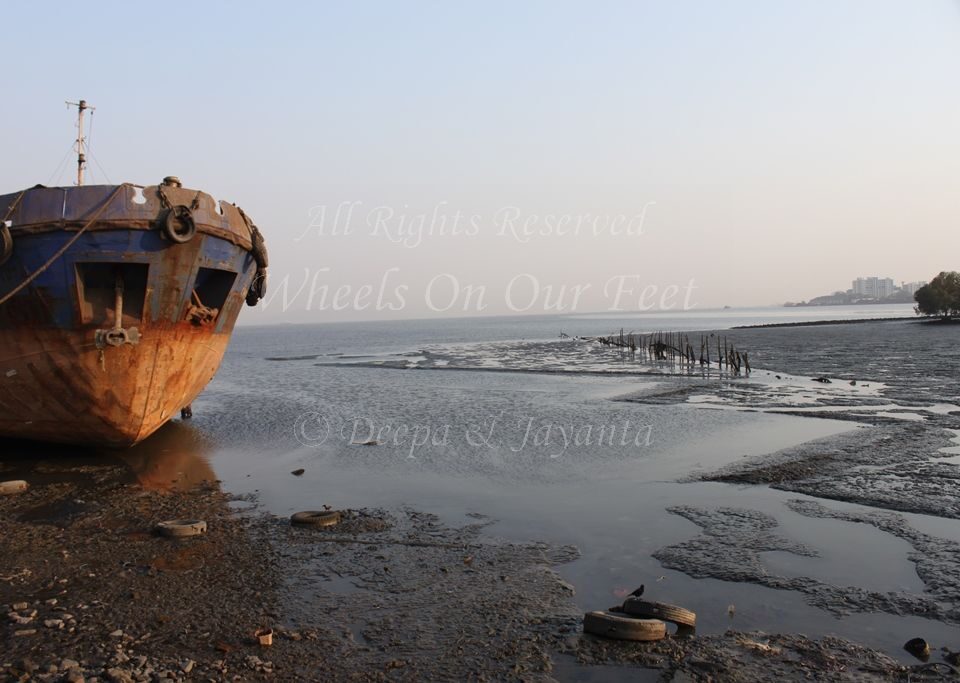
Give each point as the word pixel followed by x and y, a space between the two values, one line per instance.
pixel 258 287
pixel 315 518
pixel 178 224
pixel 6 243
pixel 659 610
pixel 608 625
pixel 182 528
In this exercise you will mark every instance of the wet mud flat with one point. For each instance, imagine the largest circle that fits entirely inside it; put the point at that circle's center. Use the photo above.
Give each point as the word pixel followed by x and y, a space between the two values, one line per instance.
pixel 896 466
pixel 396 594
pixel 92 594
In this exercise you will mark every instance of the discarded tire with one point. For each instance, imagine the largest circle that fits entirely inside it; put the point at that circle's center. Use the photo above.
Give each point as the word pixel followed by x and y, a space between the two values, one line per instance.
pixel 182 528
pixel 8 488
pixel 316 518
pixel 659 610
pixel 610 625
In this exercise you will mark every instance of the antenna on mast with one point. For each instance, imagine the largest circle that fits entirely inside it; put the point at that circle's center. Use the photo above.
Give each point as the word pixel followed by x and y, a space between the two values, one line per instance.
pixel 81 106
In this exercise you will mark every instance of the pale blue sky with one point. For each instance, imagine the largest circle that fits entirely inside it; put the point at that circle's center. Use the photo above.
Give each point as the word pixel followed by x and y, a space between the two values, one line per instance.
pixel 782 148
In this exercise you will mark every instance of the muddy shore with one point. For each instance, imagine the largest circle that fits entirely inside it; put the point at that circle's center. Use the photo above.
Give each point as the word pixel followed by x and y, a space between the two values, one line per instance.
pixel 93 594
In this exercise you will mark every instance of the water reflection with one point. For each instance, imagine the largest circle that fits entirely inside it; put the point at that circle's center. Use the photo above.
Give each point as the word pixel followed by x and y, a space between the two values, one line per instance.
pixel 173 459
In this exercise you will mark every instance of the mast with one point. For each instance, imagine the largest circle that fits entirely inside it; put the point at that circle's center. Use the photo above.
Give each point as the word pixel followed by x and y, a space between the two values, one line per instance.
pixel 81 141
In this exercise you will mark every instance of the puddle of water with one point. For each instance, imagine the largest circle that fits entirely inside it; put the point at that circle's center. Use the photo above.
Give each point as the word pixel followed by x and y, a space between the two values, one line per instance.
pixel 953 451
pixel 850 554
pixel 901 415
pixel 339 585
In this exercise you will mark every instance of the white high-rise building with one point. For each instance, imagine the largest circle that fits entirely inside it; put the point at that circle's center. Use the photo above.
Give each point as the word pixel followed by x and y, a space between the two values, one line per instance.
pixel 873 287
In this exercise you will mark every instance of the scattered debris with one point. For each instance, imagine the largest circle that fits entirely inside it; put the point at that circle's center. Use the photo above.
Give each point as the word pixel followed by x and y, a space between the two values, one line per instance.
pixel 264 636
pixel 765 648
pixel 919 648
pixel 8 488
pixel 939 669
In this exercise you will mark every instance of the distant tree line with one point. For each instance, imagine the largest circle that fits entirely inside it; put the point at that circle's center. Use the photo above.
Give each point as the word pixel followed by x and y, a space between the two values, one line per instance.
pixel 941 297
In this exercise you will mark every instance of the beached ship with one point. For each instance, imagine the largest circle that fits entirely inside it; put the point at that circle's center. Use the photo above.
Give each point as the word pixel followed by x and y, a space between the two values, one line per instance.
pixel 116 304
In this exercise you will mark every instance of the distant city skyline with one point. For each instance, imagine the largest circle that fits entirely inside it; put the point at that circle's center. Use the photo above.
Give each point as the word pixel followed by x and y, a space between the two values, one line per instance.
pixel 879 286
pixel 868 289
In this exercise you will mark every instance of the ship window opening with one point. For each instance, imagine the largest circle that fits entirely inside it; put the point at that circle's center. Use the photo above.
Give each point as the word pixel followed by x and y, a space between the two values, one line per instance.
pixel 210 291
pixel 98 282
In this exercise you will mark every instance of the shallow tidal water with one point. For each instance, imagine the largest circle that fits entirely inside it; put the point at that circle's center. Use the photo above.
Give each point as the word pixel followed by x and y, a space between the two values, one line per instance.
pixel 499 418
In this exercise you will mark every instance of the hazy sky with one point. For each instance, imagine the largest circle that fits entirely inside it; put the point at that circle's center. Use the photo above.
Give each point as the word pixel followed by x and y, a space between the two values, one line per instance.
pixel 528 157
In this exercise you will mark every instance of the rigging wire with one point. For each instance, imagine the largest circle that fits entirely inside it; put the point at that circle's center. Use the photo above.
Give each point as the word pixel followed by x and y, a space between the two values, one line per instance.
pixel 104 173
pixel 59 168
pixel 90 151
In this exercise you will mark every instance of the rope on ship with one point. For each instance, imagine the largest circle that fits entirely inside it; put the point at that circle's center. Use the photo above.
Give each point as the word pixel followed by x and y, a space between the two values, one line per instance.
pixel 258 287
pixel 60 252
pixel 6 239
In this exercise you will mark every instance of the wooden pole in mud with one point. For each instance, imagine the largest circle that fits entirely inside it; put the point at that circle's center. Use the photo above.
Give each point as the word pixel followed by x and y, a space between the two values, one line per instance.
pixel 676 348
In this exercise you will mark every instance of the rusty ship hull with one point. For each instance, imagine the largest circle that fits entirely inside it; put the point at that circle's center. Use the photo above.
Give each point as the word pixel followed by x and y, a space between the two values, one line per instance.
pixel 117 306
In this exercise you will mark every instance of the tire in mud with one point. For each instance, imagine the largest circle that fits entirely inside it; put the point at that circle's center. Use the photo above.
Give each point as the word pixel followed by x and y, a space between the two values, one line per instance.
pixel 8 488
pixel 636 607
pixel 316 518
pixel 182 528
pixel 608 625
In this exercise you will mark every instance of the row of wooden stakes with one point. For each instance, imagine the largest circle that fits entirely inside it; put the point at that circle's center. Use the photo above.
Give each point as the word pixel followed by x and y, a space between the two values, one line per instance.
pixel 676 348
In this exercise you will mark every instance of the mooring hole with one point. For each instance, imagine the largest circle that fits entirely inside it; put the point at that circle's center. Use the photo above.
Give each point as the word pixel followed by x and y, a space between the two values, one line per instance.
pixel 98 284
pixel 212 287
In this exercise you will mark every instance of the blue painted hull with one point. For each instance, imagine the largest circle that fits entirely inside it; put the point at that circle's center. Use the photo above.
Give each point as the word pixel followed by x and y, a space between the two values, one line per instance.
pixel 121 330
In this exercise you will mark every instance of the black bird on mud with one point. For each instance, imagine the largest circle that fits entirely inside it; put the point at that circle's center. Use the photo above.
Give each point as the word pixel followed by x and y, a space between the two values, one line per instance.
pixel 637 593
